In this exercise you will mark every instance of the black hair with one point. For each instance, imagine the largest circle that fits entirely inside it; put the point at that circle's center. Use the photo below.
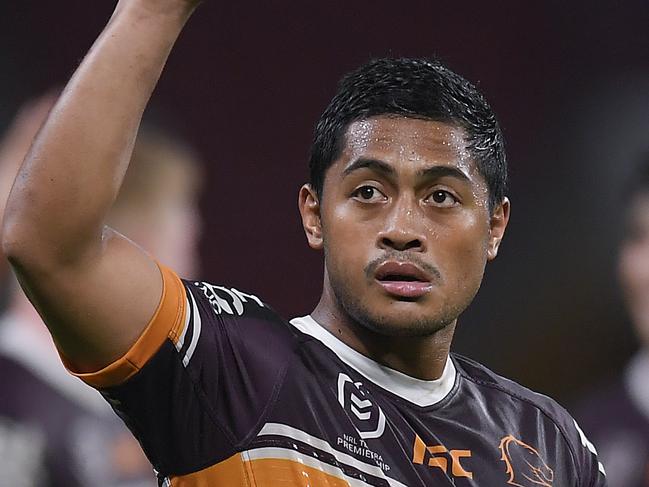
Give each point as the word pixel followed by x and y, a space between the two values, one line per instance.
pixel 414 88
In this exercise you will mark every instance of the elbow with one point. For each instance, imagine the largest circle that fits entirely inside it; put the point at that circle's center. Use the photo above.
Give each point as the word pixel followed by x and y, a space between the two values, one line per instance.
pixel 13 240
pixel 20 246
pixel 14 228
pixel 35 245
pixel 18 235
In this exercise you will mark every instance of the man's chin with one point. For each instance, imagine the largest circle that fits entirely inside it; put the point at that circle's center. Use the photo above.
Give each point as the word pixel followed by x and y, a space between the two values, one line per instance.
pixel 391 316
pixel 402 324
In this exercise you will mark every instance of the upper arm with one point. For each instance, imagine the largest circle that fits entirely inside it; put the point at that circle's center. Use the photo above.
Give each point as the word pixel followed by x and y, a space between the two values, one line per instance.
pixel 198 379
pixel 95 306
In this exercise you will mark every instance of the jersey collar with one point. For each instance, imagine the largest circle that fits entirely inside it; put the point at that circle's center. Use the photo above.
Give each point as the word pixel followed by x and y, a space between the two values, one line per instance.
pixel 422 393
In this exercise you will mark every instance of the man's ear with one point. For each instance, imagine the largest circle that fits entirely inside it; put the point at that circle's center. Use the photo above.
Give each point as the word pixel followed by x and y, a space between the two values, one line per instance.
pixel 311 222
pixel 498 225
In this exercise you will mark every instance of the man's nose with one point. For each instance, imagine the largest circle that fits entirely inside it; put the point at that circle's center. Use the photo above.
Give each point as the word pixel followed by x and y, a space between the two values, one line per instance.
pixel 403 228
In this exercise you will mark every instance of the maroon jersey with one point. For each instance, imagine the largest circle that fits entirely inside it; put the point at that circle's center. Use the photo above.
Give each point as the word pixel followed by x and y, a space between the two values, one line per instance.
pixel 221 391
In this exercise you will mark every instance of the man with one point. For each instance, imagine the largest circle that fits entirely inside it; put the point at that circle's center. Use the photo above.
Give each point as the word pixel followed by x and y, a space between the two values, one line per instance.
pixel 54 431
pixel 406 201
pixel 617 416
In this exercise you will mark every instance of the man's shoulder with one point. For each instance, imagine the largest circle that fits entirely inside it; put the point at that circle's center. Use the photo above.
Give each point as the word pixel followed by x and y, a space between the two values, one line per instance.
pixel 525 410
pixel 250 335
pixel 502 390
pixel 240 315
pixel 229 302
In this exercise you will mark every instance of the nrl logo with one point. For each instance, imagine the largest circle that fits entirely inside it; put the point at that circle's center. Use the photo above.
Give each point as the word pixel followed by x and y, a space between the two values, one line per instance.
pixel 525 466
pixel 367 417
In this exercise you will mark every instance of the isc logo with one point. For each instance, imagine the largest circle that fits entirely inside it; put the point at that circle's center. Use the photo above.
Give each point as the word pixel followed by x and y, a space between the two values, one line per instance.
pixel 439 456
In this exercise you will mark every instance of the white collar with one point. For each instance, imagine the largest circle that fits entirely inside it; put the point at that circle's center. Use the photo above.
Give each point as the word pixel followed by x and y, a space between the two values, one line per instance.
pixel 636 375
pixel 20 342
pixel 420 392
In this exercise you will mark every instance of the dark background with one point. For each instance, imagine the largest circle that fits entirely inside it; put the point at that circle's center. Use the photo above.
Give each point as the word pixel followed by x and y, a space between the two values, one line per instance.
pixel 569 81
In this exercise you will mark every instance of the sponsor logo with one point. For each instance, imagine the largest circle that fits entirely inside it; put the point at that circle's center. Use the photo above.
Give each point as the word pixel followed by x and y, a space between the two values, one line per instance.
pixel 525 466
pixel 227 300
pixel 367 417
pixel 438 456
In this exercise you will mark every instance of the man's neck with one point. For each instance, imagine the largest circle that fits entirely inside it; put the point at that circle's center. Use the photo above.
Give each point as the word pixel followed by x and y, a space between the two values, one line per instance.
pixel 422 357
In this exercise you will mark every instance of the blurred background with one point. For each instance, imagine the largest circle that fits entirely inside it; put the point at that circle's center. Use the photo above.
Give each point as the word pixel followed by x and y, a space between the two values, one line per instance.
pixel 247 81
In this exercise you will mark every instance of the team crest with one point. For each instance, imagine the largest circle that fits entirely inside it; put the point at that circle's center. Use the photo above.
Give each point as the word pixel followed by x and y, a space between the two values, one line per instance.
pixel 368 418
pixel 525 466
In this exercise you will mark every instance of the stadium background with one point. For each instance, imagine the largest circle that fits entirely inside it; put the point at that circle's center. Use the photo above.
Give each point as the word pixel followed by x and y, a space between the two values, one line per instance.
pixel 569 81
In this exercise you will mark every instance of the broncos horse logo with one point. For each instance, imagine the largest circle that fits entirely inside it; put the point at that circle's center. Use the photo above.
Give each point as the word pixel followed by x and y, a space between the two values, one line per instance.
pixel 525 466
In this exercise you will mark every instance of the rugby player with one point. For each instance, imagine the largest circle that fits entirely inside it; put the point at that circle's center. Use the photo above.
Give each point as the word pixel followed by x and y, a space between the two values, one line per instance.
pixel 407 203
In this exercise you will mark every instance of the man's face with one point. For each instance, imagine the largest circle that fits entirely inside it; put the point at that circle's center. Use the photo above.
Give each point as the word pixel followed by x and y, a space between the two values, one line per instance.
pixel 634 265
pixel 405 225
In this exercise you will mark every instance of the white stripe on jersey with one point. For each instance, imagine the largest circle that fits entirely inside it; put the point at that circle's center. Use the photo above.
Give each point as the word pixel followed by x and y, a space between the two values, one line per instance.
pixel 181 340
pixel 287 431
pixel 586 442
pixel 196 335
pixel 297 457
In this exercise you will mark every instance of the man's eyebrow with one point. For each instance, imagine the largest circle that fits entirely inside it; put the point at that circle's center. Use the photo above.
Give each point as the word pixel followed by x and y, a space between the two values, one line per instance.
pixel 436 172
pixel 433 172
pixel 372 164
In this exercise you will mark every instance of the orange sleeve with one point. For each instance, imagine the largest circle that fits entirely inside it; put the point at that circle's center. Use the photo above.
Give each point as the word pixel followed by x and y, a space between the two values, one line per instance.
pixel 168 322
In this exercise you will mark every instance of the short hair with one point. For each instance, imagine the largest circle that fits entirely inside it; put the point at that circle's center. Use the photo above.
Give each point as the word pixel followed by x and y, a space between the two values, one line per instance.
pixel 413 88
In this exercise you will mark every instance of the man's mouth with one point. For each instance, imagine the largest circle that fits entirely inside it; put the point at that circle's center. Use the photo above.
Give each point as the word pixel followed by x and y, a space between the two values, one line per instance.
pixel 403 279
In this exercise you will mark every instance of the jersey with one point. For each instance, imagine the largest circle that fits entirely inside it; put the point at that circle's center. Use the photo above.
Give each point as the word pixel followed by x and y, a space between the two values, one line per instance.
pixel 221 391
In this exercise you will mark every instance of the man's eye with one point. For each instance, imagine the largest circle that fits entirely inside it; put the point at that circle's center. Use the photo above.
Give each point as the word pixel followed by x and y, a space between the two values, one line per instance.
pixel 443 198
pixel 367 193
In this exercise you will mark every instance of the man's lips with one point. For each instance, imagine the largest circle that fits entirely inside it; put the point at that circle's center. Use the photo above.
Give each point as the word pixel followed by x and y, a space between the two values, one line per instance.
pixel 403 279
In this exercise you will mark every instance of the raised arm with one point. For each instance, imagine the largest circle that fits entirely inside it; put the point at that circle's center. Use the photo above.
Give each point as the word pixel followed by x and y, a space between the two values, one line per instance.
pixel 94 288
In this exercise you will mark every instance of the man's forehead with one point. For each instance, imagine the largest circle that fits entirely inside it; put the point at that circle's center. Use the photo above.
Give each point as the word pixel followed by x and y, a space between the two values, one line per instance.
pixel 400 139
